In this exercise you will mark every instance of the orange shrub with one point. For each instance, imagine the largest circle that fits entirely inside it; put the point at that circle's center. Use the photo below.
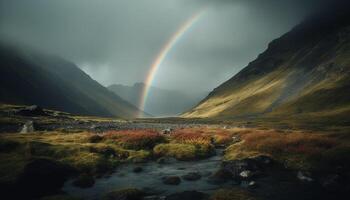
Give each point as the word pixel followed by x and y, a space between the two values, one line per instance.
pixel 203 136
pixel 222 138
pixel 135 139
pixel 296 143
pixel 191 136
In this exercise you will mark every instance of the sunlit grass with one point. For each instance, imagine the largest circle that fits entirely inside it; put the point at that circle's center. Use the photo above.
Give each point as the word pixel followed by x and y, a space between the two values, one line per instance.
pixel 296 149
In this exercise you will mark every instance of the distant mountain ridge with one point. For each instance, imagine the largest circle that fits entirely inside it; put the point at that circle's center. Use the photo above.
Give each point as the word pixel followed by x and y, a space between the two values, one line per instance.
pixel 29 77
pixel 305 71
pixel 160 102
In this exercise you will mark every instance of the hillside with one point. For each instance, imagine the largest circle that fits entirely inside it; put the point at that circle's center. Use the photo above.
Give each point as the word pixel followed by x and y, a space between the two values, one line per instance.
pixel 161 102
pixel 306 72
pixel 29 77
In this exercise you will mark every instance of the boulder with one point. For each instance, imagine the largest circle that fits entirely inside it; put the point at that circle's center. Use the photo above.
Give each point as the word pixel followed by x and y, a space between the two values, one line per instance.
pixel 246 174
pixel 249 184
pixel 137 169
pixel 171 180
pixel 28 127
pixel 254 165
pixel 167 131
pixel 331 182
pixel 43 177
pixel 221 176
pixel 166 160
pixel 304 176
pixel 192 176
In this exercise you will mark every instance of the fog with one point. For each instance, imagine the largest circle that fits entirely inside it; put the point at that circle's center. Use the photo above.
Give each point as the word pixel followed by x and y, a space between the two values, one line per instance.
pixel 117 41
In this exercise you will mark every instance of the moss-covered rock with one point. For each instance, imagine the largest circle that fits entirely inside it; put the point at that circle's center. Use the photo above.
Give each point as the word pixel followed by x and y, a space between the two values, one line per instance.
pixel 42 176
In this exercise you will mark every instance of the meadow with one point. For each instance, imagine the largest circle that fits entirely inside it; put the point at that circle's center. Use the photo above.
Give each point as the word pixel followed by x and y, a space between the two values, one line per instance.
pixel 85 156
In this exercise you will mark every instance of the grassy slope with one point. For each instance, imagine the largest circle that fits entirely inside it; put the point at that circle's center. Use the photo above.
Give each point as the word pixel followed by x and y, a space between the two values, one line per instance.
pixel 32 78
pixel 305 71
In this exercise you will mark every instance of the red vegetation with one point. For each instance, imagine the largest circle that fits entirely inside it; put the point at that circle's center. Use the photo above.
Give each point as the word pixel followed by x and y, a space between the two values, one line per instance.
pixel 135 139
pixel 202 136
pixel 296 143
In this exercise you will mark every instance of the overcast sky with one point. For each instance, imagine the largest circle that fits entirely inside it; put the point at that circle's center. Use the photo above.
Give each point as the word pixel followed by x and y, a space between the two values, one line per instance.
pixel 115 41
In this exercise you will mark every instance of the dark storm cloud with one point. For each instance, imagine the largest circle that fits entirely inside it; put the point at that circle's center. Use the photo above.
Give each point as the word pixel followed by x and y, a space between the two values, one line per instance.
pixel 116 41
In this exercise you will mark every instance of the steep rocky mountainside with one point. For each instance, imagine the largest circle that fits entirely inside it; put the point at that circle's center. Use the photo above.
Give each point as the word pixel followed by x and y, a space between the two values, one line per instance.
pixel 29 77
pixel 305 71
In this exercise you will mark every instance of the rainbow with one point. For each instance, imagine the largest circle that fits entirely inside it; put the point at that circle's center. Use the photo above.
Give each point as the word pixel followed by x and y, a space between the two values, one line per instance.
pixel 163 54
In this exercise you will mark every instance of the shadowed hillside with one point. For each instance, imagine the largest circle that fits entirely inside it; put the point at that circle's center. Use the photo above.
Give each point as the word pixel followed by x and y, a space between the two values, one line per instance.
pixel 306 72
pixel 29 77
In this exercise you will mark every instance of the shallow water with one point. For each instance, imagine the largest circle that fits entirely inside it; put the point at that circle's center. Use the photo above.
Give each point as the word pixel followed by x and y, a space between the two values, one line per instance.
pixel 150 179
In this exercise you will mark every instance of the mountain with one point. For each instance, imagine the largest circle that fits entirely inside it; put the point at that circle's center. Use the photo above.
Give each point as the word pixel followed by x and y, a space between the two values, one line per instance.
pixel 305 72
pixel 161 102
pixel 29 77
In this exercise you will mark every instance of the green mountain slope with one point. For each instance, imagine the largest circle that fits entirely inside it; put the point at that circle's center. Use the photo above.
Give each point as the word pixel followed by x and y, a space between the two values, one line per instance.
pixel 29 77
pixel 305 71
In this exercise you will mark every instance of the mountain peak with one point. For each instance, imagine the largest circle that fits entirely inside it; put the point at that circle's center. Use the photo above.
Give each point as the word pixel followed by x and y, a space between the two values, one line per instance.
pixel 304 71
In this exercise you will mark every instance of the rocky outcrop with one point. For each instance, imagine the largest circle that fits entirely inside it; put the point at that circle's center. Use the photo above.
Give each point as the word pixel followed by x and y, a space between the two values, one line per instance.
pixel 28 127
pixel 241 170
pixel 33 110
pixel 42 177
pixel 247 168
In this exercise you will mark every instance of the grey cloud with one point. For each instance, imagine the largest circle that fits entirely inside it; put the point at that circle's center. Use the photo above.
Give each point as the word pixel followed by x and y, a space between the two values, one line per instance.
pixel 116 41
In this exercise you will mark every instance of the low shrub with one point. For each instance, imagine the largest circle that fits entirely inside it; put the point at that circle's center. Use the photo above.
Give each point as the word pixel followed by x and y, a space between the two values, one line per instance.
pixel 202 136
pixel 273 142
pixel 91 163
pixel 183 151
pixel 139 156
pixel 192 138
pixel 297 150
pixel 94 139
pixel 135 139
pixel 222 138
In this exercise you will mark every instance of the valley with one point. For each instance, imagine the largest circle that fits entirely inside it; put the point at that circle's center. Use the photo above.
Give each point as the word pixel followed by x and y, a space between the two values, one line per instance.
pixel 150 100
pixel 66 156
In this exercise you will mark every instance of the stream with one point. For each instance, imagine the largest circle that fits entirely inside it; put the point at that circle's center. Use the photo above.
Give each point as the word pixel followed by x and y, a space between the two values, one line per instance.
pixel 150 178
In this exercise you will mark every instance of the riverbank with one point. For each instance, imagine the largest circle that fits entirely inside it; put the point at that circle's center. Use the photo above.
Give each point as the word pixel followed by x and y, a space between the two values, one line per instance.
pixel 254 161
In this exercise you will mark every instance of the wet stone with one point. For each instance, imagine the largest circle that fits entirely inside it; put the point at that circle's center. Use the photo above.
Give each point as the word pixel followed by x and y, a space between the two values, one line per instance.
pixel 171 180
pixel 192 176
